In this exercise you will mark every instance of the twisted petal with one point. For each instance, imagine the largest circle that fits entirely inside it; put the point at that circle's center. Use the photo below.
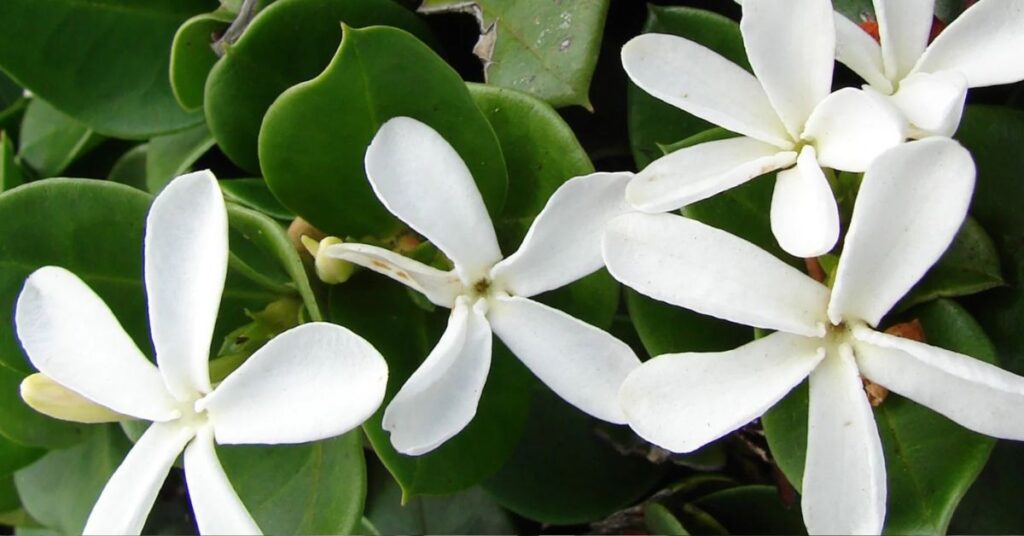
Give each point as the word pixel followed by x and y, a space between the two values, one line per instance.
pixel 933 103
pixel 311 382
pixel 701 171
pixel 128 497
pixel 683 401
pixel 71 336
pixel 852 127
pixel 692 265
pixel 439 287
pixel 911 203
pixel 903 28
pixel 984 44
pixel 421 179
pixel 699 81
pixel 580 363
pixel 804 215
pixel 791 46
pixel 844 476
pixel 217 508
pixel 975 394
pixel 564 242
pixel 186 263
pixel 861 53
pixel 441 397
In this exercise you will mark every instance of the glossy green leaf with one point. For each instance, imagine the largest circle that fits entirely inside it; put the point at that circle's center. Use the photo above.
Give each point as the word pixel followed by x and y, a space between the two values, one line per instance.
pixel 130 168
pixel 104 63
pixel 192 57
pixel 14 456
pixel 991 506
pixel 315 135
pixel 666 329
pixel 652 122
pixel 547 49
pixel 752 510
pixel 253 193
pixel 314 488
pixel 10 173
pixel 930 460
pixel 172 155
pixel 289 42
pixel 50 140
pixel 660 520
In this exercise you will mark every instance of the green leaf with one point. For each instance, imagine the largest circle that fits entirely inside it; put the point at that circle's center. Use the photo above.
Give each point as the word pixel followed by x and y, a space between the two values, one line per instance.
pixel 752 510
pixel 130 168
pixel 660 520
pixel 666 329
pixel 315 135
pixel 381 311
pixel 192 56
pixel 254 194
pixel 10 173
pixel 991 506
pixel 51 140
pixel 172 155
pixel 314 488
pixel 930 460
pixel 103 63
pixel 289 42
pixel 547 49
pixel 652 122
pixel 60 489
pixel 14 456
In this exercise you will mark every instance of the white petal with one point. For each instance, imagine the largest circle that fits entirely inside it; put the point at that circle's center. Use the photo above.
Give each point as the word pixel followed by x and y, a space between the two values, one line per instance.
pixel 933 103
pixel 71 336
pixel 564 242
pixel 903 28
pixel 856 49
pixel 420 178
pixel 128 497
pixel 217 508
pixel 186 263
pixel 911 204
pixel 975 394
pixel 689 264
pixel 844 484
pixel 699 81
pixel 701 171
pixel 792 48
pixel 580 363
pixel 683 401
pixel 804 215
pixel 312 382
pixel 441 397
pixel 984 44
pixel 439 287
pixel 852 127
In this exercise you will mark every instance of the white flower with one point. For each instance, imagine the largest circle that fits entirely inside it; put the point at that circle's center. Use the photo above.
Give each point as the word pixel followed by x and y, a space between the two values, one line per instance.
pixel 422 180
pixel 786 116
pixel 928 83
pixel 912 201
pixel 312 382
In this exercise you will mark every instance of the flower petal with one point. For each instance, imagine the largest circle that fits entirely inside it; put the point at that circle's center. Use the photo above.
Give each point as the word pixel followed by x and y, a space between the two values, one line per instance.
pixel 933 103
pixel 792 48
pixel 804 215
pixel 903 28
pixel 851 127
pixel 126 500
pixel 844 484
pixel 564 242
pixel 699 81
pixel 983 43
pixel 861 53
pixel 420 178
pixel 71 336
pixel 580 363
pixel 439 287
pixel 701 171
pixel 979 396
pixel 681 402
pixel 217 508
pixel 441 397
pixel 689 264
pixel 911 204
pixel 312 382
pixel 186 263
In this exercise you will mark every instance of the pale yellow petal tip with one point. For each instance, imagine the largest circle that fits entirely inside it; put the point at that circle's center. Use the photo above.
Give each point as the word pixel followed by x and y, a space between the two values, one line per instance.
pixel 50 398
pixel 330 270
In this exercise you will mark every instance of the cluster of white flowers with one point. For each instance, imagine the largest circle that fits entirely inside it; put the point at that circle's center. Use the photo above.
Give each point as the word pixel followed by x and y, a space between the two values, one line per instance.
pixel 320 380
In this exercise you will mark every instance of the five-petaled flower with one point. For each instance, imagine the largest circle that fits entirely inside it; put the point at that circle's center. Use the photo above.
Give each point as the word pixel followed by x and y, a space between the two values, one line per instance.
pixel 912 202
pixel 422 180
pixel 787 117
pixel 312 382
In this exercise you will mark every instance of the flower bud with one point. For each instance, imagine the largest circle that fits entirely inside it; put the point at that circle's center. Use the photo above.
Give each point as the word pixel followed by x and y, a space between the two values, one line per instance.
pixel 329 270
pixel 50 398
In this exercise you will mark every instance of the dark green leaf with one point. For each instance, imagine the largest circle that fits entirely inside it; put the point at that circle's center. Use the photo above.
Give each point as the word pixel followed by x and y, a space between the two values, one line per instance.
pixel 10 173
pixel 50 140
pixel 130 169
pixel 14 456
pixel 666 329
pixel 659 520
pixel 172 155
pixel 192 57
pixel 752 510
pixel 253 193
